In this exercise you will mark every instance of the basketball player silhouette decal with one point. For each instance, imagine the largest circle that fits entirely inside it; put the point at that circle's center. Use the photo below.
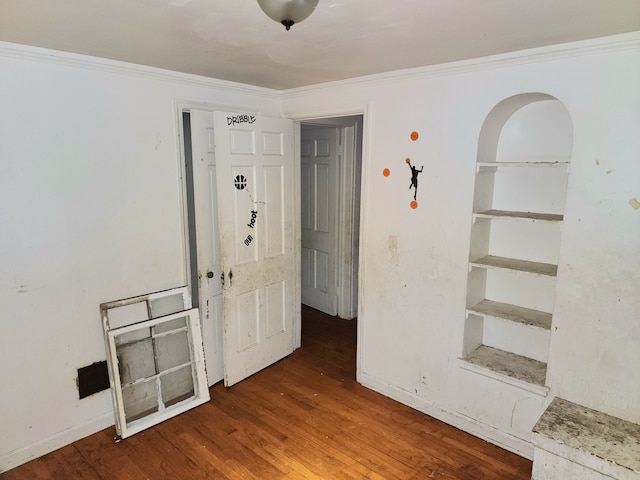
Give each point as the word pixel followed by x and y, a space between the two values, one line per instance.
pixel 414 178
pixel 414 174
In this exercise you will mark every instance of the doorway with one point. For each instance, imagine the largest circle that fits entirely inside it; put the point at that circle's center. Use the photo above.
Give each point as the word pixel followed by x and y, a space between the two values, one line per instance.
pixel 205 280
pixel 203 256
pixel 239 184
pixel 331 161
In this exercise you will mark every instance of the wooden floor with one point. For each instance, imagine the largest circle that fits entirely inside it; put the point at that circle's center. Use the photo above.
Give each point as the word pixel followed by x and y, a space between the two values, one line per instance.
pixel 302 418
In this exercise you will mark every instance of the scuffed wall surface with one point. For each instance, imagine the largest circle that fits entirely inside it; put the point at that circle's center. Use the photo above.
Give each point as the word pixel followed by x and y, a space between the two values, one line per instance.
pixel 91 211
pixel 90 188
pixel 414 261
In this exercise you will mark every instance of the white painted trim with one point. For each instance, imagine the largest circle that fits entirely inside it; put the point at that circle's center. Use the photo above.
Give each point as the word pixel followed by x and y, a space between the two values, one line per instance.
pixel 184 105
pixel 595 46
pixel 331 113
pixel 329 302
pixel 364 200
pixel 346 218
pixel 346 304
pixel 297 247
pixel 182 182
pixel 450 417
pixel 26 52
pixel 346 111
pixel 363 109
pixel 572 49
pixel 54 442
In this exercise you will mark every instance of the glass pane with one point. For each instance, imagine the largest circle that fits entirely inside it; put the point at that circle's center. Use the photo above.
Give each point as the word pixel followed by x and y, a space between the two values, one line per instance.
pixel 166 305
pixel 127 314
pixel 177 386
pixel 170 325
pixel 135 361
pixel 131 337
pixel 172 350
pixel 140 400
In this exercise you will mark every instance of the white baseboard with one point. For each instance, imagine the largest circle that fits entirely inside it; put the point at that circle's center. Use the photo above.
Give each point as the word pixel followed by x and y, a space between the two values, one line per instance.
pixel 22 455
pixel 455 419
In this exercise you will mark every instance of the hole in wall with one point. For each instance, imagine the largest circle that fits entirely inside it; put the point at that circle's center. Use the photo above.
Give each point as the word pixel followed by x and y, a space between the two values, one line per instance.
pixel 92 379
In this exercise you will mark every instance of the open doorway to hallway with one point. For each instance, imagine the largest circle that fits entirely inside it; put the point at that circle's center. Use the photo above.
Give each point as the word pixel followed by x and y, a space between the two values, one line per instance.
pixel 331 159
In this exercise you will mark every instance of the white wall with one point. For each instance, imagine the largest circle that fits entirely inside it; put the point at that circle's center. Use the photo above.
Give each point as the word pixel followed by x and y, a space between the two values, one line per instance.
pixel 90 191
pixel 412 303
pixel 91 212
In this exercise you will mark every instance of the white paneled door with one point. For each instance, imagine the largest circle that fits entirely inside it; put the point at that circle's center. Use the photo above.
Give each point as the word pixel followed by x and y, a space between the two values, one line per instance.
pixel 319 205
pixel 207 241
pixel 255 185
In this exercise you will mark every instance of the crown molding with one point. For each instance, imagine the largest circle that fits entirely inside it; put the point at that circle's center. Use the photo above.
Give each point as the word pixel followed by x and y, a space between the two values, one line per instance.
pixel 38 54
pixel 595 46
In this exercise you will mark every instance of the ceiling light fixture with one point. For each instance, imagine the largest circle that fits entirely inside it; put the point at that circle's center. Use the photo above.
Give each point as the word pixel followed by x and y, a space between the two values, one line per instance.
pixel 288 12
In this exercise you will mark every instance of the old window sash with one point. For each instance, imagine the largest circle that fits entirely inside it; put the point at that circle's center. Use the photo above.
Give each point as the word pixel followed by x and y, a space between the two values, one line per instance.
pixel 155 358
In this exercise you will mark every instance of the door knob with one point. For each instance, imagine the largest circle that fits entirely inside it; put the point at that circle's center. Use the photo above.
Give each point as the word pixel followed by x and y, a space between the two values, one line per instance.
pixel 209 274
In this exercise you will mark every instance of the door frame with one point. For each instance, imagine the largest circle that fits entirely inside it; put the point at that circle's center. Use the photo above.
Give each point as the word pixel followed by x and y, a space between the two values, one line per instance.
pixel 311 116
pixel 334 133
pixel 181 106
pixel 350 150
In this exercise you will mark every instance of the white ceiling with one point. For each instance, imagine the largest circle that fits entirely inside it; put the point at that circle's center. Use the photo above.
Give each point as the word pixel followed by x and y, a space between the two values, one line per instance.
pixel 234 40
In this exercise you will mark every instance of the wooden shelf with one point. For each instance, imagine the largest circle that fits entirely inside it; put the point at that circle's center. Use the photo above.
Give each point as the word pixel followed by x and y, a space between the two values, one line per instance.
pixel 513 264
pixel 527 216
pixel 512 313
pixel 494 362
pixel 523 164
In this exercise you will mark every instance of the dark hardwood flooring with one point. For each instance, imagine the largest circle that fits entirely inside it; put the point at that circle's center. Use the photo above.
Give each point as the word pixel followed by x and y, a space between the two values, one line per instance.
pixel 303 418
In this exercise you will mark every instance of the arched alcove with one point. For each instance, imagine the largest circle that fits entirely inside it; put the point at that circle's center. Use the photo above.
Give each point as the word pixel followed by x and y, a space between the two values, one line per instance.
pixel 524 152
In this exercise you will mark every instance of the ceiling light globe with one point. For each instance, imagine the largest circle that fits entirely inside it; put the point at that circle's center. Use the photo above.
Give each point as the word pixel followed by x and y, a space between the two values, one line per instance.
pixel 288 12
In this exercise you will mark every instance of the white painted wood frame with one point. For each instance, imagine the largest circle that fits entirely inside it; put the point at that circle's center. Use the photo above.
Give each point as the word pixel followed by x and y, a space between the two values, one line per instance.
pixel 169 307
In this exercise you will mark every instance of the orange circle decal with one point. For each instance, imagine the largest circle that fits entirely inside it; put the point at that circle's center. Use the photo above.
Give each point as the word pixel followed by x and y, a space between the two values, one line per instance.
pixel 386 172
pixel 413 204
pixel 407 160
pixel 414 136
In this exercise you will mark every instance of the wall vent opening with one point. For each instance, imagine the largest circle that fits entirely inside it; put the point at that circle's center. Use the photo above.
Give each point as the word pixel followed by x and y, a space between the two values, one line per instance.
pixel 92 379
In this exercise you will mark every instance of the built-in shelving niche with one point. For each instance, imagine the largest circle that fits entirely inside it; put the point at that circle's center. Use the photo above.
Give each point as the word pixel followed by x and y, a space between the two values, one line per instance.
pixel 524 152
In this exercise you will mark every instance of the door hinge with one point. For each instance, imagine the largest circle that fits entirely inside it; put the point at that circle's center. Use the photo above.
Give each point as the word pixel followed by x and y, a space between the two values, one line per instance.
pixel 230 278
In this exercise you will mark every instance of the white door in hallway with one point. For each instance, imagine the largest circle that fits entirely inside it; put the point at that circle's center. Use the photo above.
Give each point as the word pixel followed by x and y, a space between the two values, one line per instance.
pixel 319 207
pixel 256 195
pixel 207 241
